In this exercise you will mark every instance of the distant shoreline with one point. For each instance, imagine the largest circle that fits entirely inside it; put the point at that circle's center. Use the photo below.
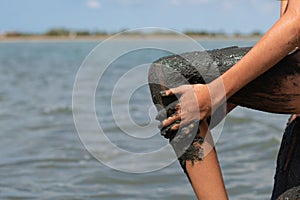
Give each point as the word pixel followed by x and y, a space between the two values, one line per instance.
pixel 44 38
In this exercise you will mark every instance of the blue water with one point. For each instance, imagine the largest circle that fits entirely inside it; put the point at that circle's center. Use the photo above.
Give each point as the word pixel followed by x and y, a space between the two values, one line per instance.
pixel 42 156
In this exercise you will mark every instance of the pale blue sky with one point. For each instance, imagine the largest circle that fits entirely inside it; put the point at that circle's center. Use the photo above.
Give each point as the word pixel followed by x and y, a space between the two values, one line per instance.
pixel 113 15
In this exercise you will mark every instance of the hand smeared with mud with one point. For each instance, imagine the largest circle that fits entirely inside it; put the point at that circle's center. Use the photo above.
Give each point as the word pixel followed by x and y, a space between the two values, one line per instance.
pixel 185 139
pixel 169 128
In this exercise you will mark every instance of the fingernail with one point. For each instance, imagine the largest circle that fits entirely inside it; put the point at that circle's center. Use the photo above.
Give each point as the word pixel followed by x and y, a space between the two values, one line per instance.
pixel 163 93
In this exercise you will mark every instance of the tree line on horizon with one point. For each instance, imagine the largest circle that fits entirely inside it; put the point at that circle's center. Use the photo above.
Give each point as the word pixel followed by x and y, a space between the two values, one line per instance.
pixel 57 32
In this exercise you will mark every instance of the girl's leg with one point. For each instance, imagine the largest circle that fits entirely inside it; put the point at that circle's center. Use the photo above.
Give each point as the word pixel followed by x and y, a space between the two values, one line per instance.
pixel 205 175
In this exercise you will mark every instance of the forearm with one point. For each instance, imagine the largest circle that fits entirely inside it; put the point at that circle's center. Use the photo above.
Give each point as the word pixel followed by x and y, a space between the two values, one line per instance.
pixel 282 38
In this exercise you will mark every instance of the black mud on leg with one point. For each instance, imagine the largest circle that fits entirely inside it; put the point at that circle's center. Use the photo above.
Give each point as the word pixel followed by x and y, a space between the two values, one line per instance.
pixel 193 153
pixel 187 144
pixel 287 178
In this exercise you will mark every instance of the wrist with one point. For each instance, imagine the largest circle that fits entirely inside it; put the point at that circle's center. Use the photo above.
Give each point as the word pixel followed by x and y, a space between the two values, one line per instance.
pixel 217 92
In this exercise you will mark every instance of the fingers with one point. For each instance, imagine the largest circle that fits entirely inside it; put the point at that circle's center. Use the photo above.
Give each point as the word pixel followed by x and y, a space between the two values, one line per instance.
pixel 176 126
pixel 188 117
pixel 171 120
pixel 173 91
pixel 170 126
pixel 176 133
pixel 167 93
pixel 168 111
pixel 169 132
pixel 171 116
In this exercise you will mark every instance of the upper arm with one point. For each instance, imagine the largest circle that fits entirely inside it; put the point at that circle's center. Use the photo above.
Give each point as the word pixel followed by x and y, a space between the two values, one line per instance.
pixel 292 17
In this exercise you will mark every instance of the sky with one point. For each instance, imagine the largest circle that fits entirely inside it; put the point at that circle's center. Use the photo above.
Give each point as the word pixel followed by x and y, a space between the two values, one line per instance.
pixel 229 16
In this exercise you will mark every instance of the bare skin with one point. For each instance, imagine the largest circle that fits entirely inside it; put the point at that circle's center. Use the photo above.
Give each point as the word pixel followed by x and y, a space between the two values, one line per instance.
pixel 206 176
pixel 285 33
pixel 283 8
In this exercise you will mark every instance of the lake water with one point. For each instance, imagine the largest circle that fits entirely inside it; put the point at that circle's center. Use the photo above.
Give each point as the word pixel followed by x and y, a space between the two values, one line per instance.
pixel 42 156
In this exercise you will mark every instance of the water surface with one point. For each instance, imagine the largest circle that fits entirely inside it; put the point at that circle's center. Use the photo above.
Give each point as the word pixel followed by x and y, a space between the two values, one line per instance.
pixel 42 156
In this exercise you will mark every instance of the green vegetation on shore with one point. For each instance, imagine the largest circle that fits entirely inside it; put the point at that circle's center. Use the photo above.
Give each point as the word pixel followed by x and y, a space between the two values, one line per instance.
pixel 56 32
pixel 67 33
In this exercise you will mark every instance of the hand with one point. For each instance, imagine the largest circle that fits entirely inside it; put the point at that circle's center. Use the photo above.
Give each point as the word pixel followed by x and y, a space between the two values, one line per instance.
pixel 194 104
